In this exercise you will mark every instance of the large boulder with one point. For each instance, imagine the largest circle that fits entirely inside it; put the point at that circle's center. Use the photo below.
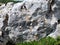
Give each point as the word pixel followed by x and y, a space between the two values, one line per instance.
pixel 27 20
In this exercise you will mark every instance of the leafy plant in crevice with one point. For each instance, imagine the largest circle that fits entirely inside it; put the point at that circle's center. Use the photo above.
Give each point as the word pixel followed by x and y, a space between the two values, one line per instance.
pixel 6 1
pixel 47 41
pixel 57 41
pixel 43 41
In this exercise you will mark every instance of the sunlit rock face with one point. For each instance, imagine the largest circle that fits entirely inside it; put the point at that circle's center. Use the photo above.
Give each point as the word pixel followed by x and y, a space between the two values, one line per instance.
pixel 27 20
pixel 56 10
pixel 56 33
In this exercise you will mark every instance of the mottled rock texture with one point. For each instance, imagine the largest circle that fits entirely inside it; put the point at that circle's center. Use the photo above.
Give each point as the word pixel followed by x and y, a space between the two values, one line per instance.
pixel 28 20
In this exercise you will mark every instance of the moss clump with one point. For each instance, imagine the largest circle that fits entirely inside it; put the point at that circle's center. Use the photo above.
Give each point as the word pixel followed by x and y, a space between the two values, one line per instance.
pixel 47 41
pixel 57 43
pixel 43 41
pixel 6 1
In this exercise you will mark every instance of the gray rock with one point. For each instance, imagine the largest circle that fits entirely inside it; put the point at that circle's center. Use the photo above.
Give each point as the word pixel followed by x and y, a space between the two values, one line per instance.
pixel 28 20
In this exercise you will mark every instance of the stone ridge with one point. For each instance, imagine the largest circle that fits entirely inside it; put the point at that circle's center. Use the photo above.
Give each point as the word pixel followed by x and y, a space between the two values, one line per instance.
pixel 29 20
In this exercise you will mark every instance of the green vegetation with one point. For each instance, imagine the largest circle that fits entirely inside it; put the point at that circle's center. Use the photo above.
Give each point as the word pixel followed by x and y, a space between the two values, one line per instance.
pixel 6 1
pixel 43 41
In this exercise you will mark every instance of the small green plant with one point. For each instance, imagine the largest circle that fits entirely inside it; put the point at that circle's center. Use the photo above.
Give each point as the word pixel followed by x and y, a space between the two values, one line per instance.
pixel 57 43
pixel 28 43
pixel 58 38
pixel 6 1
pixel 43 41
pixel 47 41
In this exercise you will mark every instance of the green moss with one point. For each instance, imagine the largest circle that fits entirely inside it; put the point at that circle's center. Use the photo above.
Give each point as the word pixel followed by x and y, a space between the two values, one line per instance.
pixel 58 38
pixel 6 1
pixel 43 41
pixel 47 41
pixel 57 43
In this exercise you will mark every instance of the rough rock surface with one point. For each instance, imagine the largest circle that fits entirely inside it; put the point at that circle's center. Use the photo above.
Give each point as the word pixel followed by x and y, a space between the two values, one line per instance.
pixel 56 12
pixel 28 20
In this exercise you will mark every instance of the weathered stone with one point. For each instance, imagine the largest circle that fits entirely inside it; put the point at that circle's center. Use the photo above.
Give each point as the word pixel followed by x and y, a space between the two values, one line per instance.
pixel 28 20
